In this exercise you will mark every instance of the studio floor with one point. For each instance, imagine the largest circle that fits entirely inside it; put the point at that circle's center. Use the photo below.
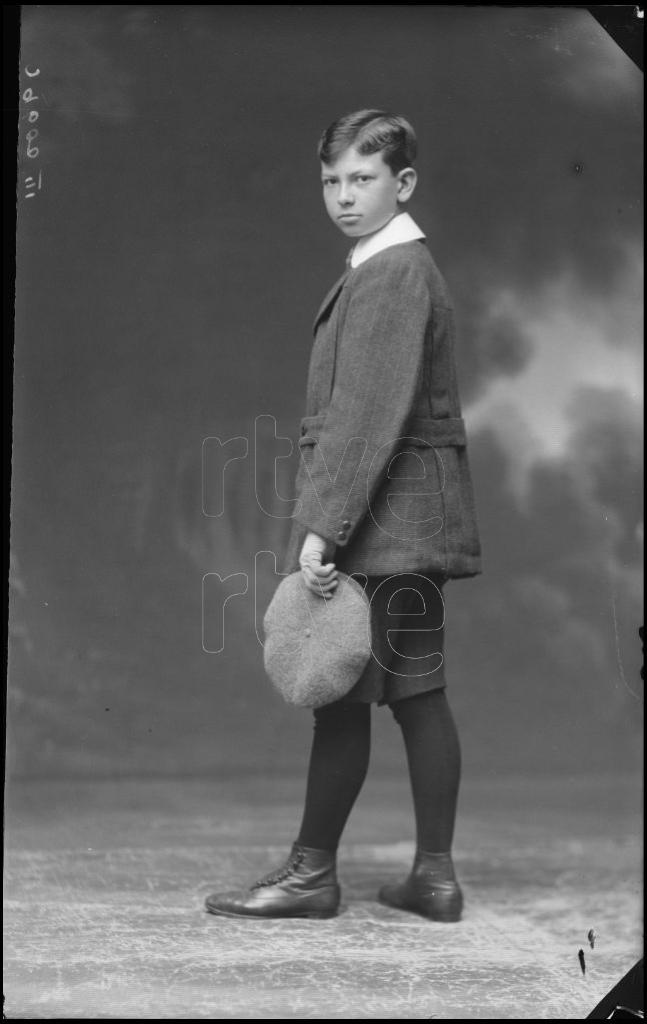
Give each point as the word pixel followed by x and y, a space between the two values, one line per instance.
pixel 105 881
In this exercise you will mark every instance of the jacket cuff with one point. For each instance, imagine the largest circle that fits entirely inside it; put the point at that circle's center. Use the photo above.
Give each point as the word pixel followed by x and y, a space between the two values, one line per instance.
pixel 337 530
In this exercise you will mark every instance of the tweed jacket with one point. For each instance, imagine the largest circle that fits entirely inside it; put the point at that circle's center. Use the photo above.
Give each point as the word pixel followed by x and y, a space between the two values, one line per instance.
pixel 384 472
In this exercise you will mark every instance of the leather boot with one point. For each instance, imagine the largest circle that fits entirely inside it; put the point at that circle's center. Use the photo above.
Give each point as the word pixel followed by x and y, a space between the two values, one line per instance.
pixel 304 886
pixel 430 889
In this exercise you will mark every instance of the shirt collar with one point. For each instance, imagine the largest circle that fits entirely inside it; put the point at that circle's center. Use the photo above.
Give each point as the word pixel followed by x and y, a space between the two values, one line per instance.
pixel 401 228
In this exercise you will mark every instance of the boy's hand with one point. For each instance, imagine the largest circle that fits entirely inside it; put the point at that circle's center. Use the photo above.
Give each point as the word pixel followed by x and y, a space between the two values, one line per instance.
pixel 320 576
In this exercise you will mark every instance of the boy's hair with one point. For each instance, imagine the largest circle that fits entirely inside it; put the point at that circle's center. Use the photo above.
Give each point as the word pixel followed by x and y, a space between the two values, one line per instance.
pixel 370 131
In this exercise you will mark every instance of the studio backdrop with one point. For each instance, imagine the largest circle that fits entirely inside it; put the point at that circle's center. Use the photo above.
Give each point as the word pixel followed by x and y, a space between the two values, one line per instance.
pixel 172 250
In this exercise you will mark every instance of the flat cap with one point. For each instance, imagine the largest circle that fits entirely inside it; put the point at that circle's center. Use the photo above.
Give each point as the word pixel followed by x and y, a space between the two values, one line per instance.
pixel 316 648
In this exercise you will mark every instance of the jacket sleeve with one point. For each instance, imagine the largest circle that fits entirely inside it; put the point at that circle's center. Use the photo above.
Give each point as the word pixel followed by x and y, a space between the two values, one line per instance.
pixel 380 357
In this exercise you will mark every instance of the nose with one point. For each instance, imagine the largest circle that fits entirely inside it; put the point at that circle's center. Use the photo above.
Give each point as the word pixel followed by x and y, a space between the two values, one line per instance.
pixel 345 195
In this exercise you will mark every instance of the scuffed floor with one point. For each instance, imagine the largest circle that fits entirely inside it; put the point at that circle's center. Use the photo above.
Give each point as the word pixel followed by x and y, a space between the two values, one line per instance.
pixel 104 884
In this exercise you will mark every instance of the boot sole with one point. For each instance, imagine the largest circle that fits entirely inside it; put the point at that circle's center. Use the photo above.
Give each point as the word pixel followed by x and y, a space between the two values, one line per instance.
pixel 319 915
pixel 448 917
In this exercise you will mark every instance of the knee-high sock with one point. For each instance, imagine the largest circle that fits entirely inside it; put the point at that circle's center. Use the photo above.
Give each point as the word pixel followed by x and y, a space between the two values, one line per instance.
pixel 338 765
pixel 433 754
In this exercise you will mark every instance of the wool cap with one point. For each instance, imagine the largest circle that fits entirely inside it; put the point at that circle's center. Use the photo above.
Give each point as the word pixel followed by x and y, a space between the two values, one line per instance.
pixel 316 648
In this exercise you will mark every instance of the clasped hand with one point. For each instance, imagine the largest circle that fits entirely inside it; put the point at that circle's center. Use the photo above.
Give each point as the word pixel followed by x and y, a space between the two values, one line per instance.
pixel 317 566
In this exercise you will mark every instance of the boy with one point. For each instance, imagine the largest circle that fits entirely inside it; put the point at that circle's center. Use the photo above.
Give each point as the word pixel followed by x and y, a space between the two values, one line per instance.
pixel 385 491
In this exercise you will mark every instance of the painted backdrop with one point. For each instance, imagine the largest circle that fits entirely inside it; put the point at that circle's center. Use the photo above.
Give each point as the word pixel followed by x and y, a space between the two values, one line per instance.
pixel 172 250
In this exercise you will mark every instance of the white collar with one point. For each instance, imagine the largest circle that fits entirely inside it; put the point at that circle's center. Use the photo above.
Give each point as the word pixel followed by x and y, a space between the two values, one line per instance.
pixel 401 228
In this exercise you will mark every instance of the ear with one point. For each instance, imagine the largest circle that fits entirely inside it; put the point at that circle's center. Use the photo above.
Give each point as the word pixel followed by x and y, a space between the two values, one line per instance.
pixel 407 179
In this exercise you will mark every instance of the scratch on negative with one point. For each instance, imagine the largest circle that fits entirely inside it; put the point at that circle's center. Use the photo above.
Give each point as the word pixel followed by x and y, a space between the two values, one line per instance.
pixel 617 639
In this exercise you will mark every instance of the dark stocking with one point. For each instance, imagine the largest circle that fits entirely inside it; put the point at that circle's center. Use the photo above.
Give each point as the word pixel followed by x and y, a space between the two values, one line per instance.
pixel 433 753
pixel 338 765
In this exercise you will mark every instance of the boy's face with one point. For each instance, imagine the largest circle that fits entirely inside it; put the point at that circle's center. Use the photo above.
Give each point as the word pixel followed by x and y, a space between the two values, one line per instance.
pixel 362 193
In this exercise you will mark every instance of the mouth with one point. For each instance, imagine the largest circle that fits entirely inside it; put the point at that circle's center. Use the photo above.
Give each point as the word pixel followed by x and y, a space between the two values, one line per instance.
pixel 348 216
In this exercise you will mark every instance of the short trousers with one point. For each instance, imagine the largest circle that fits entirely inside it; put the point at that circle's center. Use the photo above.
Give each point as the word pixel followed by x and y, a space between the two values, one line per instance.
pixel 407 637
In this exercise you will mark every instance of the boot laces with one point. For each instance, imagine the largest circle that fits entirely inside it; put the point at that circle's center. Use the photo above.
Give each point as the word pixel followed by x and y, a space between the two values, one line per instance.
pixel 282 873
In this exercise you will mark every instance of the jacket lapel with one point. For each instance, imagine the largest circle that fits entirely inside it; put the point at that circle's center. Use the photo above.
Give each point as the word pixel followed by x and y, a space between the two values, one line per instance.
pixel 329 299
